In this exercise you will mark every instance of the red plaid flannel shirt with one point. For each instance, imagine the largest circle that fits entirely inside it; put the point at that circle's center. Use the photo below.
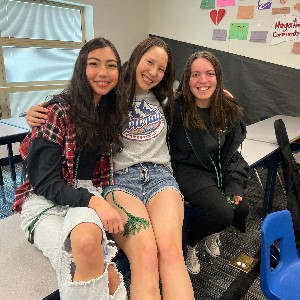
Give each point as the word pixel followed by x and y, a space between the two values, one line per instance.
pixel 60 129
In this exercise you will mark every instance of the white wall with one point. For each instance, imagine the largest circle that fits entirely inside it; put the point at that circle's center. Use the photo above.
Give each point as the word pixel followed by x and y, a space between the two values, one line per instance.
pixel 125 23
pixel 185 21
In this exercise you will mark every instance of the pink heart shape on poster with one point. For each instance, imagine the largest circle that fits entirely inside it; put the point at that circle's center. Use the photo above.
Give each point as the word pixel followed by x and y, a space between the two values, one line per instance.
pixel 283 2
pixel 217 15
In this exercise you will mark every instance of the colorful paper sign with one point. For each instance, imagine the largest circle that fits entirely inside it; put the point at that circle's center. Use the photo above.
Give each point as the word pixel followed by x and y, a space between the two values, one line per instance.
pixel 264 4
pixel 297 7
pixel 219 34
pixel 280 11
pixel 245 12
pixel 258 36
pixel 221 3
pixel 207 4
pixel 217 15
pixel 296 48
pixel 285 28
pixel 238 31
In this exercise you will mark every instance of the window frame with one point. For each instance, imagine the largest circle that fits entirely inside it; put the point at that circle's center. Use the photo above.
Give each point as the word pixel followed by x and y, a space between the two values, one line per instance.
pixel 13 87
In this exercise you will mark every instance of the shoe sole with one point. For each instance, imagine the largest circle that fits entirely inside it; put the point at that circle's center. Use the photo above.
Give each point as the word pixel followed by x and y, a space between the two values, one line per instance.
pixel 209 252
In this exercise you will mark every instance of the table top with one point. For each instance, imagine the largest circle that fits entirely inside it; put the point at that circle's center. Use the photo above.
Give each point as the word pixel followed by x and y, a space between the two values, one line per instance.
pixel 8 130
pixel 12 130
pixel 19 122
pixel 264 130
pixel 255 151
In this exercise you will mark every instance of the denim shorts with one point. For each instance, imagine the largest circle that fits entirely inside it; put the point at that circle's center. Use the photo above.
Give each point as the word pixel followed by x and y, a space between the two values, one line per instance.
pixel 143 181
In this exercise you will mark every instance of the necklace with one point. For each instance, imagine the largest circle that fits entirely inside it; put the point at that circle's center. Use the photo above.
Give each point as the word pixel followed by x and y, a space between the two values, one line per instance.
pixel 76 169
pixel 230 198
pixel 31 226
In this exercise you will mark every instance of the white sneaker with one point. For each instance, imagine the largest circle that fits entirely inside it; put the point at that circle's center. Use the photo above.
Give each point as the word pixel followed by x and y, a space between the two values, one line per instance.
pixel 192 261
pixel 212 245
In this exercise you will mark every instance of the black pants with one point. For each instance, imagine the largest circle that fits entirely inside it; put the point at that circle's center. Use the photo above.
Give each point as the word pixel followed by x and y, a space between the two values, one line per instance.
pixel 217 215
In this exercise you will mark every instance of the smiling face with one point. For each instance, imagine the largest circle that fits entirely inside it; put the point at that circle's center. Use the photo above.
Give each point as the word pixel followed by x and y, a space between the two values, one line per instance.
pixel 203 81
pixel 102 71
pixel 151 68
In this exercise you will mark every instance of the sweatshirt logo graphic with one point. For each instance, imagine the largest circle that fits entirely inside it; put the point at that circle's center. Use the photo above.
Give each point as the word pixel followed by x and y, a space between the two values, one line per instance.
pixel 146 122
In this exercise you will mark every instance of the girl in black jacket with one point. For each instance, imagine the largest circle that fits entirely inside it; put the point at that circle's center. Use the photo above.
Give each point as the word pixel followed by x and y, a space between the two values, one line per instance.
pixel 206 134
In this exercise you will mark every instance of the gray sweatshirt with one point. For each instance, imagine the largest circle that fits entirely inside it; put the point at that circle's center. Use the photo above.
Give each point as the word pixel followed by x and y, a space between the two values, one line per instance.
pixel 144 136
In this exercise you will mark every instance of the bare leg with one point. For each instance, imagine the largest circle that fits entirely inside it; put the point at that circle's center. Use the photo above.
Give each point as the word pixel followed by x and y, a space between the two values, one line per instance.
pixel 113 280
pixel 87 251
pixel 88 255
pixel 140 249
pixel 166 211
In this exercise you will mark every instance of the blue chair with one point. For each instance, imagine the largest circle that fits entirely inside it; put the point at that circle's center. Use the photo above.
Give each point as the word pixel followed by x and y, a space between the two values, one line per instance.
pixel 283 282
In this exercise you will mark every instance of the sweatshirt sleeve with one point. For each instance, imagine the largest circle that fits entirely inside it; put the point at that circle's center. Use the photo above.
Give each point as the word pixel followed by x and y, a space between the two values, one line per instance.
pixel 236 175
pixel 45 174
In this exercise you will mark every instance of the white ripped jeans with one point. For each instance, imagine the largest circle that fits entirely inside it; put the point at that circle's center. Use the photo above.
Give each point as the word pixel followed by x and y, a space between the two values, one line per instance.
pixel 51 236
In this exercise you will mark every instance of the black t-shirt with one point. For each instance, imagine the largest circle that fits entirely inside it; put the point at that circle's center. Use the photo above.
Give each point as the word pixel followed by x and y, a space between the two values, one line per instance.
pixel 86 164
pixel 210 137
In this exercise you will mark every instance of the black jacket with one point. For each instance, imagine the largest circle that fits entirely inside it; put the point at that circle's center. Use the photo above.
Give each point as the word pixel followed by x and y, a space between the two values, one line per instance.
pixel 192 165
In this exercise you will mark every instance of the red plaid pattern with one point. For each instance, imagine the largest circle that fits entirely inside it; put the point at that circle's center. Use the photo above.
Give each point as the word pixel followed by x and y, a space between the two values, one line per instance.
pixel 60 129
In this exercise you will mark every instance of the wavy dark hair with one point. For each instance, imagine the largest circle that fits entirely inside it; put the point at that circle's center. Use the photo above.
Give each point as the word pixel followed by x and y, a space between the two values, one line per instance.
pixel 100 127
pixel 163 89
pixel 225 110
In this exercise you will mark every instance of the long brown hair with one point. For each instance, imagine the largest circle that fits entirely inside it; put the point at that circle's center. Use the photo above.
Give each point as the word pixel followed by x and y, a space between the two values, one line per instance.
pixel 164 89
pixel 225 110
pixel 95 128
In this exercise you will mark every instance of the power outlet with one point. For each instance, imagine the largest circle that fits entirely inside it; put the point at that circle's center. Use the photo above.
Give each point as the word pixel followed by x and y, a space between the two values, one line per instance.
pixel 243 262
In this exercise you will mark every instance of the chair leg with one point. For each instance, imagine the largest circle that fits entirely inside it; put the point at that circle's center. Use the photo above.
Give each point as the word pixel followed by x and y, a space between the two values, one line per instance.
pixel 281 183
pixel 1 177
pixel 11 161
pixel 258 178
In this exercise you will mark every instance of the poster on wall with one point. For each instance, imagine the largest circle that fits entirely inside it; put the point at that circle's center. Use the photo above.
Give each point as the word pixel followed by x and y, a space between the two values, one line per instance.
pixel 238 31
pixel 264 4
pixel 296 48
pixel 280 10
pixel 217 15
pixel 207 4
pixel 285 28
pixel 245 12
pixel 219 35
pixel 221 3
pixel 258 36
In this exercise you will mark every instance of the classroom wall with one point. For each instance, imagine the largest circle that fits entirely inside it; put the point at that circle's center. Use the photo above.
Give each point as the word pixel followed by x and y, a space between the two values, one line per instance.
pixel 124 22
pixel 185 21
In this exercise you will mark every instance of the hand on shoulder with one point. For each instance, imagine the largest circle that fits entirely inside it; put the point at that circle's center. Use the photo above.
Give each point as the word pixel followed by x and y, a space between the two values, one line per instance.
pixel 37 115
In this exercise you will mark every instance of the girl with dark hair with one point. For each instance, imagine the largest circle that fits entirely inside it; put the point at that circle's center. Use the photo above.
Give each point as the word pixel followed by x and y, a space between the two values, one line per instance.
pixel 144 183
pixel 68 159
pixel 143 180
pixel 204 141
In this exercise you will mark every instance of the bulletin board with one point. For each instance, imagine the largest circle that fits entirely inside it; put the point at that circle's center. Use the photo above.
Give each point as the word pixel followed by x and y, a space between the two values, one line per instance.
pixel 267 30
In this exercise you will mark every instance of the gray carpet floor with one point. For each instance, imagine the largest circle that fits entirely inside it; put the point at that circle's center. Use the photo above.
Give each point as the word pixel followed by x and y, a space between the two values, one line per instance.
pixel 217 277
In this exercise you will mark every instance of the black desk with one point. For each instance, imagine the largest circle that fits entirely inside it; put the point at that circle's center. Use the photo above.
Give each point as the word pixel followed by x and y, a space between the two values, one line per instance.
pixel 259 136
pixel 257 153
pixel 11 131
